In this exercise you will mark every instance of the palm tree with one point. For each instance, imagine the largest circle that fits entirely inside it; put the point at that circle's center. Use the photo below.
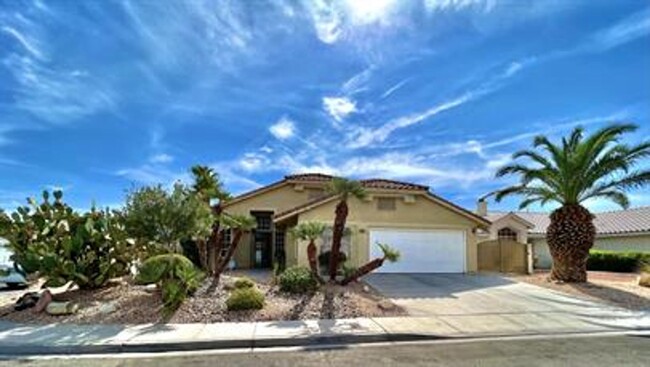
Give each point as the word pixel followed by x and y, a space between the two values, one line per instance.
pixel 207 186
pixel 581 168
pixel 310 231
pixel 343 188
pixel 390 254
pixel 239 224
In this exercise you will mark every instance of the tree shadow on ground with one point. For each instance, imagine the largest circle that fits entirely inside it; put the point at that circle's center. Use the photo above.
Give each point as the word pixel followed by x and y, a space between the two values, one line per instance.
pixel 612 295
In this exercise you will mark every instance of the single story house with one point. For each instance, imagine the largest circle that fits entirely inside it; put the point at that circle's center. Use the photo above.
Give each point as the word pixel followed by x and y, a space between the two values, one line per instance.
pixel 432 234
pixel 621 230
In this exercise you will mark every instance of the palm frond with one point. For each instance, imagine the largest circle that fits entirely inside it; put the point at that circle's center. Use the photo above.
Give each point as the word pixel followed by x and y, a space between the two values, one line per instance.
pixel 345 188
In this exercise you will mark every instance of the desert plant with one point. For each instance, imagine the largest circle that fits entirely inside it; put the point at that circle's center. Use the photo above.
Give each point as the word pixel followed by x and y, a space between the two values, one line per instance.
pixel 56 242
pixel 297 279
pixel 390 255
pixel 570 173
pixel 310 231
pixel 343 188
pixel 325 257
pixel 245 299
pixel 244 282
pixel 158 217
pixel 176 276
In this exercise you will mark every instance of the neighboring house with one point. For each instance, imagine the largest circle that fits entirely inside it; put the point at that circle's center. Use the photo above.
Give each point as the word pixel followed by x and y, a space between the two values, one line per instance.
pixel 432 234
pixel 621 230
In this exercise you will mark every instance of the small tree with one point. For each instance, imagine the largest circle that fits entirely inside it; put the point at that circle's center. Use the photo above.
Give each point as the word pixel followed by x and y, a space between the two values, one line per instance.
pixel 390 254
pixel 156 216
pixel 343 188
pixel 310 231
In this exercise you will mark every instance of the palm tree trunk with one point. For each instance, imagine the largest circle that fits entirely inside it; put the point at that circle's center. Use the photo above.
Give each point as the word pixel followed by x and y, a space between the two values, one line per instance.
pixel 313 261
pixel 337 236
pixel 221 266
pixel 570 236
pixel 363 270
pixel 213 247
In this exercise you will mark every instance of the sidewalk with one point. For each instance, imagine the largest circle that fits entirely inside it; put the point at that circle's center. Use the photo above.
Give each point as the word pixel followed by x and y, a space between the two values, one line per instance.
pixel 18 339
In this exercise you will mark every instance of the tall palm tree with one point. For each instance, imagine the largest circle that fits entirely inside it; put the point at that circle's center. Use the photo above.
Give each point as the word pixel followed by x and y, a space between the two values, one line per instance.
pixel 569 173
pixel 310 231
pixel 343 188
pixel 239 224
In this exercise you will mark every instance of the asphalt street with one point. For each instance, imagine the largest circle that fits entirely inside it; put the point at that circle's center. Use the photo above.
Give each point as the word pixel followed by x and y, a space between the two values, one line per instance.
pixel 590 351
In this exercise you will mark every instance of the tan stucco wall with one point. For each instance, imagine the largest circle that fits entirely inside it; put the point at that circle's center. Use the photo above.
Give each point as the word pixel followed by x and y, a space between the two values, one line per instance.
pixel 621 243
pixel 363 216
pixel 276 200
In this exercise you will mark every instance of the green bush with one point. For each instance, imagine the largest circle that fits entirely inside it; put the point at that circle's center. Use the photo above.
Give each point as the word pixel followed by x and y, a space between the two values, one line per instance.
pixel 244 282
pixel 622 262
pixel 62 245
pixel 297 279
pixel 175 274
pixel 245 299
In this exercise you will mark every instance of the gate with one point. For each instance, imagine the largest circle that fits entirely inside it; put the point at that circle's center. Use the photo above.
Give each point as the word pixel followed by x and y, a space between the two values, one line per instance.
pixel 504 256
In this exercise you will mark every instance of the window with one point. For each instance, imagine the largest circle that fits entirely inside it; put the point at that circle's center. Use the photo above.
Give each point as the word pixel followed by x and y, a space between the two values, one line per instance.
pixel 507 234
pixel 386 204
pixel 227 241
pixel 326 244
pixel 279 241
pixel 313 194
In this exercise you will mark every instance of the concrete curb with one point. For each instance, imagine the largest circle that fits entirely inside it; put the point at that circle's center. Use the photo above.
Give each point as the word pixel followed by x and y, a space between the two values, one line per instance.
pixel 320 340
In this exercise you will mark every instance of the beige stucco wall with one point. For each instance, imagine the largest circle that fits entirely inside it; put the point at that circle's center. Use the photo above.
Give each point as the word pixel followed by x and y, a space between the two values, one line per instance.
pixel 620 243
pixel 363 216
pixel 276 200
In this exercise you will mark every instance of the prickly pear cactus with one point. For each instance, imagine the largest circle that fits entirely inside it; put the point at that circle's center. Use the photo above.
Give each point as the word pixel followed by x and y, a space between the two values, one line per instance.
pixel 62 245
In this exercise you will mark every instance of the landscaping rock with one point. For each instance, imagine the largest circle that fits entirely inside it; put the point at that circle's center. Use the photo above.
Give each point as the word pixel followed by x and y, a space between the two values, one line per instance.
pixel 386 305
pixel 27 300
pixel 366 289
pixel 150 288
pixel 106 308
pixel 644 280
pixel 61 308
pixel 43 300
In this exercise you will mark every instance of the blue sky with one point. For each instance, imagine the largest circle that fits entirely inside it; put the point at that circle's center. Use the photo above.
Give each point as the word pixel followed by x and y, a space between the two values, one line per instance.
pixel 99 96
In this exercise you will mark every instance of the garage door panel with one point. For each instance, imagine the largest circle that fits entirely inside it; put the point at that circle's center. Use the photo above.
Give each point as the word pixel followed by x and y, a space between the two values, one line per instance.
pixel 422 251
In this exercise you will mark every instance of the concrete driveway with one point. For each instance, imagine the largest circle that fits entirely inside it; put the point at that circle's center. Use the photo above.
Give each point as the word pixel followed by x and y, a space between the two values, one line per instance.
pixel 478 296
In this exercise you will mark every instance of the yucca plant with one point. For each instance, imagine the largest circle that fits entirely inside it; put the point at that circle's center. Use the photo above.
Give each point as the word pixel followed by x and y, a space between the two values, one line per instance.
pixel 343 188
pixel 569 173
pixel 310 231
pixel 390 255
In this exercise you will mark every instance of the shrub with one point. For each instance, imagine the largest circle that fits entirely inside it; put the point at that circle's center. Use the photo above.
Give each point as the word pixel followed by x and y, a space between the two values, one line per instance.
pixel 297 279
pixel 176 276
pixel 61 245
pixel 245 299
pixel 622 262
pixel 244 282
pixel 348 270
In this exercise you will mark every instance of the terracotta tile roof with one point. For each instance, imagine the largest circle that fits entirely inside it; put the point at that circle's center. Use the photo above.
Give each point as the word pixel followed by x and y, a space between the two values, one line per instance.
pixel 377 183
pixel 615 222
pixel 372 183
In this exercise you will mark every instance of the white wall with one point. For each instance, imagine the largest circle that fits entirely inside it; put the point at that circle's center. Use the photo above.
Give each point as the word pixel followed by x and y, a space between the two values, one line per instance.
pixel 542 257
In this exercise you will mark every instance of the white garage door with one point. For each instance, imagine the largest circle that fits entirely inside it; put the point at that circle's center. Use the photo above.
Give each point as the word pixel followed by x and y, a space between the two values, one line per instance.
pixel 423 251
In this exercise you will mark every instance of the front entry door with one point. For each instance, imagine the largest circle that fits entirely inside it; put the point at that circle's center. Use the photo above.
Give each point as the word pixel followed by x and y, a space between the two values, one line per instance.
pixel 262 246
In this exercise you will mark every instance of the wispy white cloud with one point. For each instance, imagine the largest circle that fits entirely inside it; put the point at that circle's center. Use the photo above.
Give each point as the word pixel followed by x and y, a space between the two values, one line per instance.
pixel 283 129
pixel 394 88
pixel 627 30
pixel 30 45
pixel 339 107
pixel 445 5
pixel 161 158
